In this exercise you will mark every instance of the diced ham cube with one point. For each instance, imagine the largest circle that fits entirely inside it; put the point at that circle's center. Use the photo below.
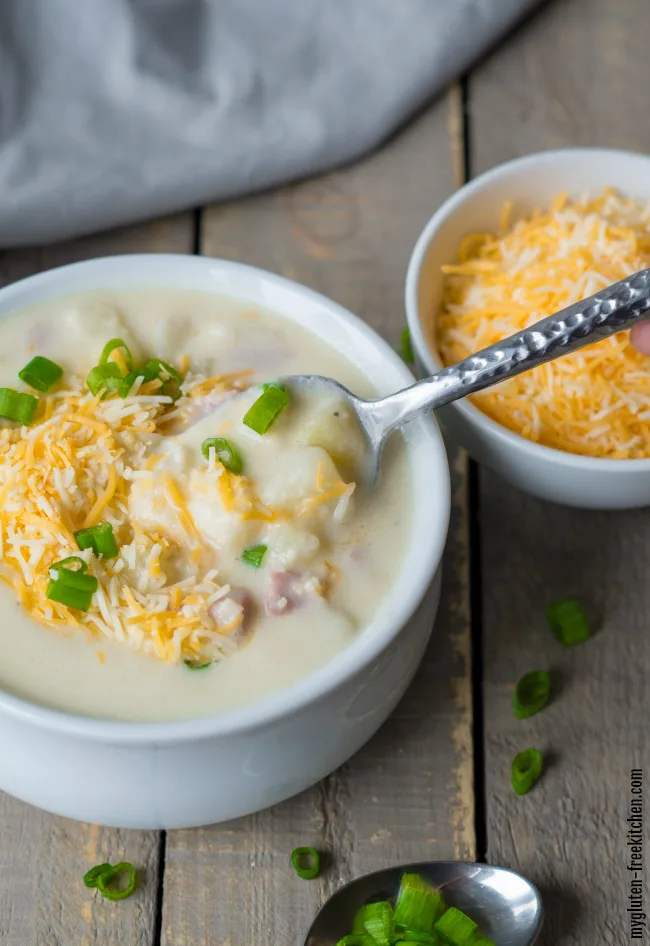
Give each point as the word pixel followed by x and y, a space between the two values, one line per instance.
pixel 286 591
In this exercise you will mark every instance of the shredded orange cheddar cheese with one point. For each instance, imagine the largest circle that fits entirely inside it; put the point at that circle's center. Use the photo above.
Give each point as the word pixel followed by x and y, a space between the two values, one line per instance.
pixel 594 402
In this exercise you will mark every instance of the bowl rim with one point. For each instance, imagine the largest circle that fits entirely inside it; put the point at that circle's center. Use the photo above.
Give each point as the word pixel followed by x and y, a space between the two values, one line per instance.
pixel 370 641
pixel 472 414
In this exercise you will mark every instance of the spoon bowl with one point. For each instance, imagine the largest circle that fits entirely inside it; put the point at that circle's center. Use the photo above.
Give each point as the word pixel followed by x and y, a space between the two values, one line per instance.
pixel 506 906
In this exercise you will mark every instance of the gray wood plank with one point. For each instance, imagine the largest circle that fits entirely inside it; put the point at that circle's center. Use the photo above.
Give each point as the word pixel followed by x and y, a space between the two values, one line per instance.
pixel 408 794
pixel 43 858
pixel 575 74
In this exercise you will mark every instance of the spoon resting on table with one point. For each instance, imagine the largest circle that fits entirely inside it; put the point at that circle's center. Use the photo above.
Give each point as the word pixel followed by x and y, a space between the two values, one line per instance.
pixel 614 309
pixel 506 906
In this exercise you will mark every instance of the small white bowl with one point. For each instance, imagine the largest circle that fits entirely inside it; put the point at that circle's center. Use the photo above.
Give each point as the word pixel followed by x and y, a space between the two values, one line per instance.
pixel 528 182
pixel 200 771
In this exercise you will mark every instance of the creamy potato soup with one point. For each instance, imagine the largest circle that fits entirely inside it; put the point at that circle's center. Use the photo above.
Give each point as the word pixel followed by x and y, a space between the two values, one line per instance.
pixel 180 535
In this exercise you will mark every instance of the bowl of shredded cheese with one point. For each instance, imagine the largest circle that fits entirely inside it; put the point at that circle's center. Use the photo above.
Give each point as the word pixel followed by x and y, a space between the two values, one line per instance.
pixel 517 244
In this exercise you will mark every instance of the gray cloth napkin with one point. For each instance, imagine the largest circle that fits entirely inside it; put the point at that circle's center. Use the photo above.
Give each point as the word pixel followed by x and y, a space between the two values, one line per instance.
pixel 113 111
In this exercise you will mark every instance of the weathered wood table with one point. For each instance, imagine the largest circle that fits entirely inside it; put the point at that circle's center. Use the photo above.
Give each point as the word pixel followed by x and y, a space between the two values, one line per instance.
pixel 434 783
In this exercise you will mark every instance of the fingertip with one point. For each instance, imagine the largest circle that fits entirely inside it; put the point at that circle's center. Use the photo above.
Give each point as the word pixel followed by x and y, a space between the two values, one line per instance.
pixel 640 338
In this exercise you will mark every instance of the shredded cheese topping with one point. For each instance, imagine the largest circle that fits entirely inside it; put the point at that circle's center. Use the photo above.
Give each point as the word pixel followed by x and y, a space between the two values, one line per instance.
pixel 75 467
pixel 594 402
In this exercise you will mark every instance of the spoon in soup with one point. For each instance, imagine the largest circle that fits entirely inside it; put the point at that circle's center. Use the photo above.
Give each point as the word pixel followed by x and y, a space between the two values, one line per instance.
pixel 611 310
pixel 506 906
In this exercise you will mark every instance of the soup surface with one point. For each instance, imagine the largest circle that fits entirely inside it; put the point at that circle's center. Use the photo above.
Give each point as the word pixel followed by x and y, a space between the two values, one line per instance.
pixel 237 568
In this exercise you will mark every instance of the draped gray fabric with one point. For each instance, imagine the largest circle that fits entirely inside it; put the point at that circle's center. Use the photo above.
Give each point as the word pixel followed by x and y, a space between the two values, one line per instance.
pixel 113 111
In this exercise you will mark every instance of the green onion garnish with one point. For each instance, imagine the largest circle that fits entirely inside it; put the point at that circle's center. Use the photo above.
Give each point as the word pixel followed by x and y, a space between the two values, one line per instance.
pixel 71 560
pixel 306 862
pixel 405 346
pixel 264 411
pixel 455 927
pixel 105 377
pixel 172 379
pixel 526 770
pixel 379 923
pixel 531 694
pixel 254 555
pixel 40 373
pixel 356 939
pixel 16 406
pixel 568 621
pixel 110 347
pixel 480 940
pixel 414 936
pixel 108 877
pixel 418 904
pixel 197 664
pixel 225 451
pixel 74 589
pixel 99 538
pixel 91 876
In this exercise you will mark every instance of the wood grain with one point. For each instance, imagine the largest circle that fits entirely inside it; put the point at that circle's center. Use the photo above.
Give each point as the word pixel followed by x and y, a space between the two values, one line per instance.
pixel 409 793
pixel 42 857
pixel 575 74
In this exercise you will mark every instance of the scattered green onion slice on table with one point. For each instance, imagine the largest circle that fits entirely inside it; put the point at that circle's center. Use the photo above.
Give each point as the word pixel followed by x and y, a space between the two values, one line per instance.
pixel 405 346
pixel 225 451
pixel 456 927
pixel 108 877
pixel 255 555
pixel 531 694
pixel 302 856
pixel 40 373
pixel 526 770
pixel 16 406
pixel 91 876
pixel 265 410
pixel 197 664
pixel 110 347
pixel 418 903
pixel 99 538
pixel 71 560
pixel 379 922
pixel 568 621
pixel 105 377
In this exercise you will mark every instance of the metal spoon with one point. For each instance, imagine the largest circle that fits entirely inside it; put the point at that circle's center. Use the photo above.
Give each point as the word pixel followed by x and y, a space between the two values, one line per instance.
pixel 506 906
pixel 612 310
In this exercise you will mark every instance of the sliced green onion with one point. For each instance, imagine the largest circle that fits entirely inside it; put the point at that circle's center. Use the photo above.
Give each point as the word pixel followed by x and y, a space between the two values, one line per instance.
pixel 405 346
pixel 456 928
pixel 271 384
pixel 16 406
pixel 172 379
pixel 306 862
pixel 480 940
pixel 110 347
pixel 568 621
pixel 415 936
pixel 379 923
pixel 99 538
pixel 70 597
pixel 358 924
pixel 264 411
pixel 91 876
pixel 129 380
pixel 105 377
pixel 526 770
pixel 356 939
pixel 197 664
pixel 74 589
pixel 70 560
pixel 225 451
pixel 40 373
pixel 254 555
pixel 531 694
pixel 418 904
pixel 108 877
